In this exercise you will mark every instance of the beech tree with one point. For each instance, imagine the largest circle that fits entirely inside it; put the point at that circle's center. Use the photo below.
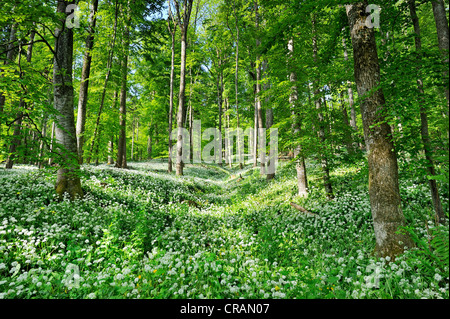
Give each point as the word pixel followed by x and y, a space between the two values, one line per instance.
pixel 384 190
pixel 68 181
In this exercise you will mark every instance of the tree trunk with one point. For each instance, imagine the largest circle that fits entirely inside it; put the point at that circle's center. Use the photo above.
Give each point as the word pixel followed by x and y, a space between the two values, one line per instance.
pixel 321 128
pixel 181 106
pixel 172 75
pixel 84 84
pixel 259 132
pixel 347 132
pixel 122 146
pixel 236 87
pixel 52 143
pixel 424 120
pixel 302 181
pixel 133 131
pixel 68 181
pixel 149 142
pixel 269 117
pixel 111 151
pixel 440 18
pixel 384 191
pixel 187 8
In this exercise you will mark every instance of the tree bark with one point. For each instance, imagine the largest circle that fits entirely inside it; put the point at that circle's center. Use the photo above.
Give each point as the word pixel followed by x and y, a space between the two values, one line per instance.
pixel 384 190
pixel 68 181
pixel 84 84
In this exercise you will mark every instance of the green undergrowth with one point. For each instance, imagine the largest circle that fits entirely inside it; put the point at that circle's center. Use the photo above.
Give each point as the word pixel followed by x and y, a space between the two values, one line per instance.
pixel 217 232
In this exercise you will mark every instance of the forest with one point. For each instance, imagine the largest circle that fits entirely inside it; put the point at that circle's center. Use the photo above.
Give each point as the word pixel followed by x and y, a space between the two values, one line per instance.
pixel 224 149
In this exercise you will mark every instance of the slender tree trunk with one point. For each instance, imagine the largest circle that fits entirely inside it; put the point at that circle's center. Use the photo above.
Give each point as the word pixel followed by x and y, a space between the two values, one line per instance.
pixel 384 190
pixel 259 132
pixel 347 132
pixel 111 151
pixel 68 181
pixel 269 113
pixel 191 129
pixel 236 87
pixel 302 181
pixel 42 143
pixel 172 76
pixel 84 85
pixel 321 128
pixel 149 142
pixel 351 101
pixel 219 85
pixel 122 147
pixel 440 18
pixel 52 143
pixel 255 121
pixel 424 119
pixel 133 129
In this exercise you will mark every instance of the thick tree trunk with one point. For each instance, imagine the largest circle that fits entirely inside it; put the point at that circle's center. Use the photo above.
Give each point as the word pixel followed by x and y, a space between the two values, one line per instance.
pixel 384 191
pixel 84 85
pixel 187 8
pixel 68 181
pixel 424 120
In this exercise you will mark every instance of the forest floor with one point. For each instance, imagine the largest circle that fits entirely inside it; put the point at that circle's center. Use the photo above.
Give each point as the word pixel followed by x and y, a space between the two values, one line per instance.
pixel 216 232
